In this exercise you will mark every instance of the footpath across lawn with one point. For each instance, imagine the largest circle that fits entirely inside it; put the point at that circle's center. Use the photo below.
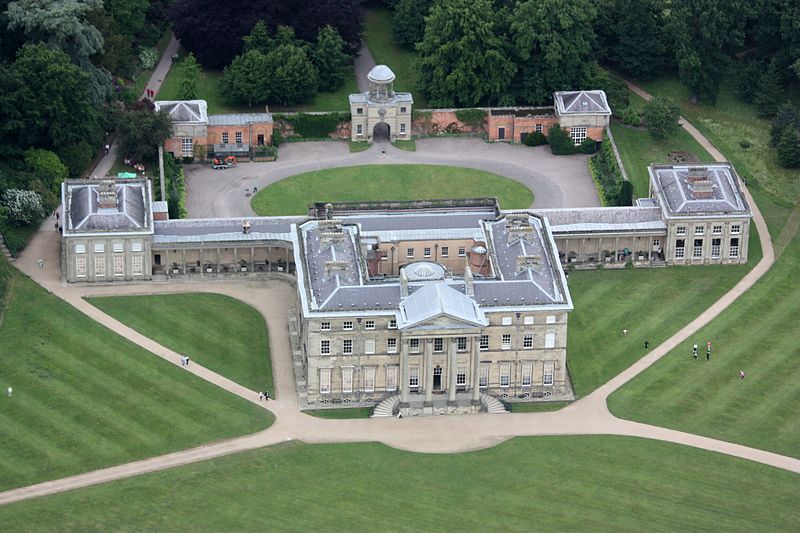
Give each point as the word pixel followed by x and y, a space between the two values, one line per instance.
pixel 292 195
pixel 652 304
pixel 218 332
pixel 85 398
pixel 586 483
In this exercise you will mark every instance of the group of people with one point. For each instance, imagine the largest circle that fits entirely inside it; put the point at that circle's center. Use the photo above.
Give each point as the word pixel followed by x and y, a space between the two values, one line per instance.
pixel 137 166
pixel 184 360
pixel 708 351
pixel 263 396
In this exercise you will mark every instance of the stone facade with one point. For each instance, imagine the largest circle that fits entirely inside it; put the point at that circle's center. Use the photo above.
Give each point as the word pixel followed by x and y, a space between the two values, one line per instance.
pixel 380 111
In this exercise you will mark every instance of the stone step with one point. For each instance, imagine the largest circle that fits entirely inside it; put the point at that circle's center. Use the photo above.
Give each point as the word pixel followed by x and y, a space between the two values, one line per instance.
pixel 492 405
pixel 387 407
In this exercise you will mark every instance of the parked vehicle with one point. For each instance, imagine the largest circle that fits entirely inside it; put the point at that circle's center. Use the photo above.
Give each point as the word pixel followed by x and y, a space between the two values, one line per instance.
pixel 219 163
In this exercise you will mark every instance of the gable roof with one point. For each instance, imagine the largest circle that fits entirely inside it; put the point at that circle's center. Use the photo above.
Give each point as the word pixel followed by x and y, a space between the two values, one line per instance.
pixel 582 103
pixel 436 299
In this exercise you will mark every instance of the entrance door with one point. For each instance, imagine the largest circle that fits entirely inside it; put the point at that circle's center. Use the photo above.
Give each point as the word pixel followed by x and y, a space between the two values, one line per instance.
pixel 381 133
pixel 260 139
pixel 501 133
pixel 437 378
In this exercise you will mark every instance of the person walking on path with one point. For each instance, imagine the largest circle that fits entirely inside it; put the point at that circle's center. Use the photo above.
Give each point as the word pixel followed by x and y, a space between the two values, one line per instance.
pixel 694 351
pixel 266 395
pixel 41 262
pixel 261 396
pixel 646 345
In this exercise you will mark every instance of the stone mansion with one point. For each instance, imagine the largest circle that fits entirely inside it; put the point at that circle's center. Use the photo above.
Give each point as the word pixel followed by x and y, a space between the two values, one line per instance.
pixel 441 306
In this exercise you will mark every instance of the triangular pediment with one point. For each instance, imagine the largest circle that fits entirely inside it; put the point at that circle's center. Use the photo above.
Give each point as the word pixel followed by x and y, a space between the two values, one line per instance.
pixel 438 302
pixel 444 321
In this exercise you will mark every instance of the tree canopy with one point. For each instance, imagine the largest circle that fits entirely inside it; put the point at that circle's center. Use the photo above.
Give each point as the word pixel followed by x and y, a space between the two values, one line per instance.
pixel 142 131
pixel 330 59
pixel 214 30
pixel 461 60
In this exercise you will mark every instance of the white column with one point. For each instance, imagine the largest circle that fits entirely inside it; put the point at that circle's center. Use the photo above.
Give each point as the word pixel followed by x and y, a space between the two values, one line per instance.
pixel 451 368
pixel 404 371
pixel 428 371
pixel 476 369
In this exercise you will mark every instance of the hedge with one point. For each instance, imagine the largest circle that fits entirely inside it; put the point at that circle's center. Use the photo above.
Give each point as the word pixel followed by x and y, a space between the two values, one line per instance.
pixel 562 144
pixel 611 186
pixel 314 125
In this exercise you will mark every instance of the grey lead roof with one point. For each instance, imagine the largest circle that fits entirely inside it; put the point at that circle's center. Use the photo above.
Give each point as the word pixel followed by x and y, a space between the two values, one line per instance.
pixel 82 213
pixel 582 102
pixel 363 98
pixel 604 219
pixel 184 110
pixel 435 299
pixel 672 188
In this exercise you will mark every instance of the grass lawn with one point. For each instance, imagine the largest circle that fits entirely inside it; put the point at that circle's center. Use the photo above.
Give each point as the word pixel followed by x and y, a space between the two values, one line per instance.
pixel 359 146
pixel 535 407
pixel 638 150
pixel 385 51
pixel 726 124
pixel 208 90
pixel 339 414
pixel 652 304
pixel 217 331
pixel 587 483
pixel 408 146
pixel 291 196
pixel 85 398
pixel 757 334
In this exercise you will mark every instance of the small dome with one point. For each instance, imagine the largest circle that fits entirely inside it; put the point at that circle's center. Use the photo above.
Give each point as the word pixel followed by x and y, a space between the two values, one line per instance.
pixel 424 271
pixel 479 250
pixel 381 74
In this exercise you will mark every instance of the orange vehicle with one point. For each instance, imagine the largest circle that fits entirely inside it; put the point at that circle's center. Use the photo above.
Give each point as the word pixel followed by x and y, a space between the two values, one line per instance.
pixel 220 163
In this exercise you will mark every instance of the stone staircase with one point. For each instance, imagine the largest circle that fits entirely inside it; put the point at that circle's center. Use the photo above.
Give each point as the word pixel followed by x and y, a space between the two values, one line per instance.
pixel 492 405
pixel 387 407
pixel 5 250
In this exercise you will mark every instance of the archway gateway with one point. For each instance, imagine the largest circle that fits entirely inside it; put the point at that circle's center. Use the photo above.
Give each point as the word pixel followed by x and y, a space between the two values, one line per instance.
pixel 381 133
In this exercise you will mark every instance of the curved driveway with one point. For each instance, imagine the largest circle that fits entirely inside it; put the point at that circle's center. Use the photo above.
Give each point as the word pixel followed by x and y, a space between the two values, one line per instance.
pixel 556 181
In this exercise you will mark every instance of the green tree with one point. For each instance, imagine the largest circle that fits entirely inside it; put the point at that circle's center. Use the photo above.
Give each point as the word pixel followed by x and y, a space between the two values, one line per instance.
pixel 45 174
pixel 408 21
pixel 190 72
pixel 61 24
pixel 128 14
pixel 789 148
pixel 749 76
pixel 50 106
pixel 639 48
pixel 553 42
pixel 787 116
pixel 290 77
pixel 244 79
pixel 706 33
pixel 768 91
pixel 330 59
pixel 461 60
pixel 258 39
pixel 661 116
pixel 560 141
pixel 142 131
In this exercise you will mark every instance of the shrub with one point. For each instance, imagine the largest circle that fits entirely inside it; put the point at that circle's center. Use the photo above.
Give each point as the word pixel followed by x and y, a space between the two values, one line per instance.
pixel 588 146
pixel 148 57
pixel 277 138
pixel 560 142
pixel 612 188
pixel 631 116
pixel 749 76
pixel 535 139
pixel 22 207
pixel 661 116
pixel 475 118
pixel 744 143
pixel 266 151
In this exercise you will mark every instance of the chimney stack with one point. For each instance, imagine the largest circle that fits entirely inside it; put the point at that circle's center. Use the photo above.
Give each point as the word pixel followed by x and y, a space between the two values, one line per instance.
pixel 107 195
pixel 469 287
pixel 403 284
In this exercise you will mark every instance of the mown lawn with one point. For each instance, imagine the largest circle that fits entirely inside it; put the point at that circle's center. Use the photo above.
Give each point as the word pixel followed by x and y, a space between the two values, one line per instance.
pixel 218 332
pixel 652 304
pixel 576 483
pixel 208 90
pixel 638 150
pixel 340 414
pixel 385 51
pixel 85 398
pixel 728 123
pixel 757 334
pixel 291 196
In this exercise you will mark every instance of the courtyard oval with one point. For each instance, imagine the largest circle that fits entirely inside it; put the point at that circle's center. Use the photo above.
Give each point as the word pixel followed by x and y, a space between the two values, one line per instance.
pixel 292 195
